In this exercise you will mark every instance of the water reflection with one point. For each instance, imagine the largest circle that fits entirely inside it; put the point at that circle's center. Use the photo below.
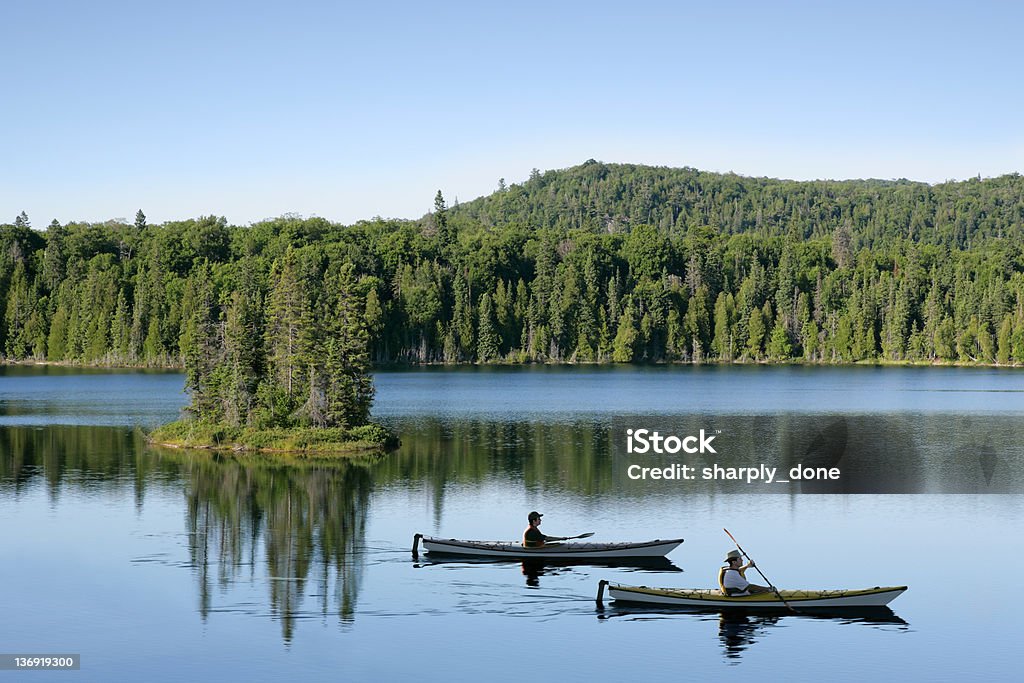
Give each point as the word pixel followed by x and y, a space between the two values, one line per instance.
pixel 873 453
pixel 533 569
pixel 470 451
pixel 739 630
pixel 304 521
pixel 87 458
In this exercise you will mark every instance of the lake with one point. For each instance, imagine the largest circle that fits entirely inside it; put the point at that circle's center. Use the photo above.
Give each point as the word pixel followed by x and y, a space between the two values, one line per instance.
pixel 160 565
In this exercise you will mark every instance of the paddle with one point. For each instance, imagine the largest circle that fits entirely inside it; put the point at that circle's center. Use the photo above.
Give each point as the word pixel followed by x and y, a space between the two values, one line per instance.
pixel 770 584
pixel 571 538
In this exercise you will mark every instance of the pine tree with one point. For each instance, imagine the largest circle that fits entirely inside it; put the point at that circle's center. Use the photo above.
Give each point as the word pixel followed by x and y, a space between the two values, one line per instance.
pixel 243 355
pixel 722 345
pixel 120 330
pixel 462 319
pixel 202 348
pixel 779 346
pixel 286 308
pixel 57 338
pixel 349 387
pixel 504 316
pixel 1003 340
pixel 755 332
pixel 445 234
pixel 487 338
pixel 54 257
pixel 809 340
pixel 19 307
pixel 375 319
pixel 624 346
pixel 698 321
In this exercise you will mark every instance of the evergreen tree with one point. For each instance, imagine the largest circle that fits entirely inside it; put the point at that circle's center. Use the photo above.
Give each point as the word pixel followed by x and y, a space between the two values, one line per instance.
pixel 1003 341
pixel 849 271
pixel 487 344
pixel 54 257
pixel 286 308
pixel 202 348
pixel 722 345
pixel 779 346
pixel 445 234
pixel 120 330
pixel 243 354
pixel 18 310
pixel 375 322
pixel 624 346
pixel 349 387
pixel 755 332
pixel 57 338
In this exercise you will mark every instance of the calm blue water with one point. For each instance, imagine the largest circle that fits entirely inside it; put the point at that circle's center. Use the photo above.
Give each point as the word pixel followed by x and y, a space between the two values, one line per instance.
pixel 165 565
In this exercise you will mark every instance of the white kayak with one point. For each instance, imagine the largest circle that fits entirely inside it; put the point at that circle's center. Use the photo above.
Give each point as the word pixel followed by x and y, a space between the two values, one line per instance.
pixel 564 551
pixel 878 596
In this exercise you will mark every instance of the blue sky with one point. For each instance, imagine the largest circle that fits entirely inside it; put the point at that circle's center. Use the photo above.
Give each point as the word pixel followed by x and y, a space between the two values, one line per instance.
pixel 251 110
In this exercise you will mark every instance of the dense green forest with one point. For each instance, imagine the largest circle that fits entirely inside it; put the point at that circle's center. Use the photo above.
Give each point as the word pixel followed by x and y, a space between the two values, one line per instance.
pixel 596 263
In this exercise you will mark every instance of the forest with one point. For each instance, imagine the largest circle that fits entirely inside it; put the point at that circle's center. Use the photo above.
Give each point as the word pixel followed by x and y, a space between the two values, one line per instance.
pixel 597 263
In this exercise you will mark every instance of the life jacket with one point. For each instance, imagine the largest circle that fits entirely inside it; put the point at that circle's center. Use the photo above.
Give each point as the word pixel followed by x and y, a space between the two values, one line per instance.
pixel 532 543
pixel 721 583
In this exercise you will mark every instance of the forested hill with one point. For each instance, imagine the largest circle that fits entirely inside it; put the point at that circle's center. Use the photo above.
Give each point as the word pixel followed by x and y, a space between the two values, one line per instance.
pixel 613 197
pixel 597 263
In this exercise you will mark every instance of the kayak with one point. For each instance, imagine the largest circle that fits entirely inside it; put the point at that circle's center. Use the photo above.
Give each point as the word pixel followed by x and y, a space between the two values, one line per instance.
pixel 878 596
pixel 571 551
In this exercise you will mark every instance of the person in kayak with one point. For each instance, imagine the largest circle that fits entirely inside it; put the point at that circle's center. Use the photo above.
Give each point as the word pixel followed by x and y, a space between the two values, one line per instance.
pixel 532 537
pixel 732 578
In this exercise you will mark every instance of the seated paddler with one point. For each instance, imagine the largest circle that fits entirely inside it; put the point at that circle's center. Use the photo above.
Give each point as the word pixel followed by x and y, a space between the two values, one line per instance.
pixel 532 537
pixel 732 577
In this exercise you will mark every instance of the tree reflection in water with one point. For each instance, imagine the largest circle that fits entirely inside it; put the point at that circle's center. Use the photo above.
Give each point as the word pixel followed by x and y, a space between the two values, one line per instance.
pixel 304 519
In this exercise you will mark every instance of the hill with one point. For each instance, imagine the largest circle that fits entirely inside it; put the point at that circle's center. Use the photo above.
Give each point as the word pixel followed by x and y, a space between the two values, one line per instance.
pixel 613 197
pixel 595 263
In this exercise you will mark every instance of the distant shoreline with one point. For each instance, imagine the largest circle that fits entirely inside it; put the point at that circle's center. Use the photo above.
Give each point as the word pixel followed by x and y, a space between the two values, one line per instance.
pixel 399 365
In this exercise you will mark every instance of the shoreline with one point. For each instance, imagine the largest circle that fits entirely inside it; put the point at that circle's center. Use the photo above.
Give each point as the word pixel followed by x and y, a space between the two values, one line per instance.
pixel 500 364
pixel 354 450
pixel 307 441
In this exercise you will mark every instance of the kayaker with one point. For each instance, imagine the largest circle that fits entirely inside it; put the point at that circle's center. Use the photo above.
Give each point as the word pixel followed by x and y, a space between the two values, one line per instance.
pixel 732 579
pixel 532 537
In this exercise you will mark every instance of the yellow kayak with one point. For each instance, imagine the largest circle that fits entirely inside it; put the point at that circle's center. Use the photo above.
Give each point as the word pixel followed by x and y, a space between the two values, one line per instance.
pixel 878 596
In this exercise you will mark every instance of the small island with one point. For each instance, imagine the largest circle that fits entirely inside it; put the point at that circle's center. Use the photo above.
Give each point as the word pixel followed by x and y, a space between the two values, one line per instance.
pixel 281 365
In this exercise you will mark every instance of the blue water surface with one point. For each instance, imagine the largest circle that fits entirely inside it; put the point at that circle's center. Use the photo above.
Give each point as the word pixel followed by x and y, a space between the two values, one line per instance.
pixel 167 566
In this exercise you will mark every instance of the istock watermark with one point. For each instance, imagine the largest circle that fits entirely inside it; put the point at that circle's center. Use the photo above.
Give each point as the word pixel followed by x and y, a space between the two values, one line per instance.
pixel 698 460
pixel 646 441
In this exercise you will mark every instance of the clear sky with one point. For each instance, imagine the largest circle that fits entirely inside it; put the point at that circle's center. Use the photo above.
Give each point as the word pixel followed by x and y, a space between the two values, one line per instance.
pixel 348 111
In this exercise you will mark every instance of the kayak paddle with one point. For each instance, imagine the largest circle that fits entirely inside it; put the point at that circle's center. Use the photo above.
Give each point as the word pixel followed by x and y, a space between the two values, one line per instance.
pixel 770 584
pixel 570 538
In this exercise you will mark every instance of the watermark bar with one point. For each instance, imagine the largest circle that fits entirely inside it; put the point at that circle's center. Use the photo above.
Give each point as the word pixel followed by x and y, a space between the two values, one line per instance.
pixel 42 662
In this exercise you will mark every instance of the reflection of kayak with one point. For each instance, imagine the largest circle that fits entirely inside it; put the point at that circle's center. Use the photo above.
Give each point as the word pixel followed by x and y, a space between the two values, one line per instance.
pixel 713 598
pixel 566 551
pixel 646 564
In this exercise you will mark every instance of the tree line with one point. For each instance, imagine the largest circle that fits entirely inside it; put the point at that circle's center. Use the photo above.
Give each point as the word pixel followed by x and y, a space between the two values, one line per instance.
pixel 597 263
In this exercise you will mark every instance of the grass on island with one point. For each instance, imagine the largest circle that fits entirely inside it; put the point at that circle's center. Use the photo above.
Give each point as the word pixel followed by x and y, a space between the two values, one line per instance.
pixel 306 440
